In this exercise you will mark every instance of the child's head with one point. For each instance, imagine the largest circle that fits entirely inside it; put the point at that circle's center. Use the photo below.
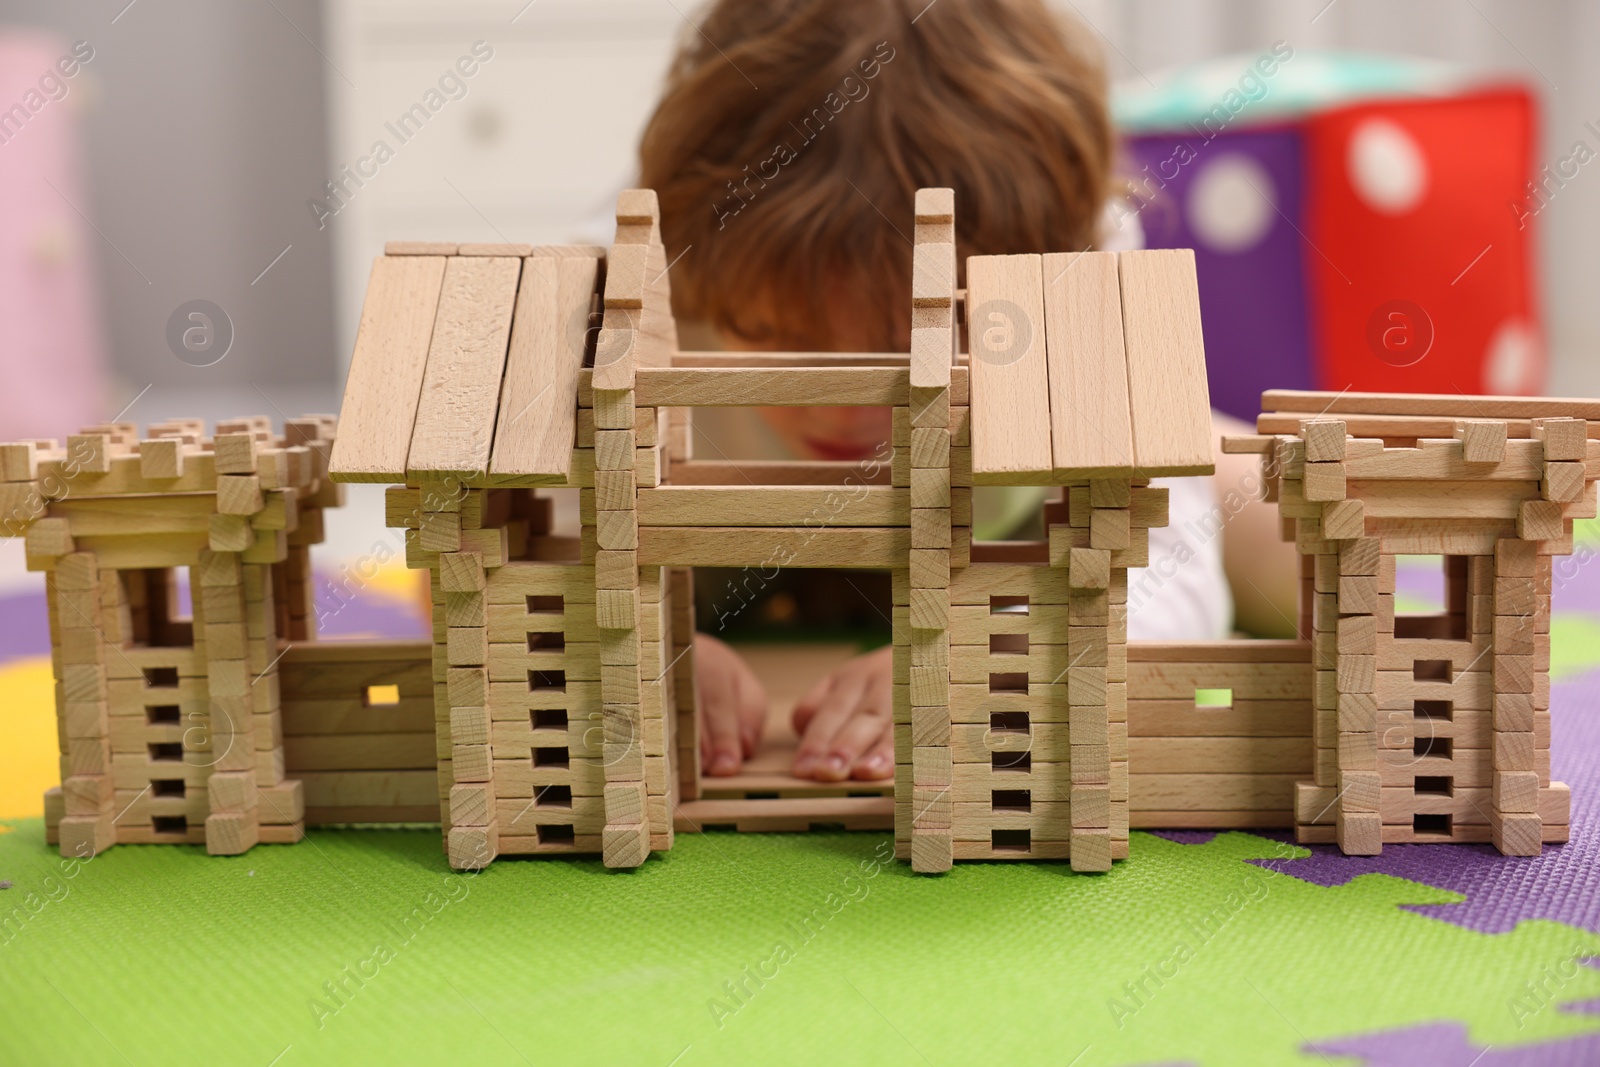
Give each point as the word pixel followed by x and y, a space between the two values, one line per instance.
pixel 793 135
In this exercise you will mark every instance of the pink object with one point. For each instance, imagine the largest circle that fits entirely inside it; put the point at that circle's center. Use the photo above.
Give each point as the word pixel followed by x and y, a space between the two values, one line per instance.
pixel 52 352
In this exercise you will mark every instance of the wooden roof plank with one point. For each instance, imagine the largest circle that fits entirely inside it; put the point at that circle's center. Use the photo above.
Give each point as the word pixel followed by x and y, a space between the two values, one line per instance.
pixel 1010 385
pixel 386 369
pixel 1167 392
pixel 1453 405
pixel 538 421
pixel 1090 427
pixel 461 387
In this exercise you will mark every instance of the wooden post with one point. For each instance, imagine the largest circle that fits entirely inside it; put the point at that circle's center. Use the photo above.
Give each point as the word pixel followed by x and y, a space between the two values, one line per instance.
pixel 927 711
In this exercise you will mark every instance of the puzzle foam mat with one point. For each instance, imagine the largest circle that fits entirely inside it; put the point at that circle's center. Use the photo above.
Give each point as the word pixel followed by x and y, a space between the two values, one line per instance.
pixel 1229 949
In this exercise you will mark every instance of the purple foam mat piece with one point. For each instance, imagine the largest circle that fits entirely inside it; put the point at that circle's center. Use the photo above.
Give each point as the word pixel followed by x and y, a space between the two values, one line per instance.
pixel 1254 302
pixel 340 611
pixel 1561 884
pixel 1445 1044
pixel 24 625
pixel 365 614
pixel 1186 837
pixel 1585 1007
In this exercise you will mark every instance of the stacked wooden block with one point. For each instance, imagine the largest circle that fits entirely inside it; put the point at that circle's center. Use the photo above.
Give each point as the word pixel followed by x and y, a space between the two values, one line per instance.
pixel 1219 733
pixel 679 624
pixel 87 780
pixel 359 730
pixel 461 537
pixel 1106 531
pixel 927 652
pixel 636 331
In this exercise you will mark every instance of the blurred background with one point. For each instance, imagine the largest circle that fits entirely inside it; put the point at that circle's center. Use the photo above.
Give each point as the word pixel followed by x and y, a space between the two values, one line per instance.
pixel 196 190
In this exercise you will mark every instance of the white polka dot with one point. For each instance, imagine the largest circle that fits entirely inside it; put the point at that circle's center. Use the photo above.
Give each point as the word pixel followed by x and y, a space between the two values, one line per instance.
pixel 1386 167
pixel 1231 203
pixel 1513 363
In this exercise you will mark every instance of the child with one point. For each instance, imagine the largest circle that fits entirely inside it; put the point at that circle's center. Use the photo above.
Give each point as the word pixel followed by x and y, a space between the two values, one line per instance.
pixel 786 152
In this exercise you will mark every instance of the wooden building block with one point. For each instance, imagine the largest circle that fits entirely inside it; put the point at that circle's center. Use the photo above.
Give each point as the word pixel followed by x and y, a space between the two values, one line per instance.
pixel 1515 559
pixel 1516 791
pixel 49 537
pixel 230 533
pixel 616 490
pixel 238 494
pixel 1481 441
pixel 932 851
pixel 235 453
pixel 1358 594
pixel 1514 674
pixel 1540 520
pixel 90 453
pixel 1516 833
pixel 86 836
pixel 616 609
pixel 617 530
pixel 1088 568
pixel 1343 520
pixel 625 846
pixel 232 833
pixel 1515 751
pixel 1513 635
pixel 929 609
pixel 461 572
pixel 87 794
pixel 1324 440
pixel 1359 833
pixel 1109 529
pixel 161 458
pixel 1091 850
pixel 472 848
pixel 1563 481
pixel 1564 439
pixel 1324 481
pixel 930 487
pixel 1360 556
pixel 19 462
pixel 1360 791
pixel 439 531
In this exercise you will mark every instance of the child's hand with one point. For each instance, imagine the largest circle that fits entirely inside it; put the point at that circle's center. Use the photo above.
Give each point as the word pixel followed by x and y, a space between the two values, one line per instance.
pixel 846 722
pixel 733 706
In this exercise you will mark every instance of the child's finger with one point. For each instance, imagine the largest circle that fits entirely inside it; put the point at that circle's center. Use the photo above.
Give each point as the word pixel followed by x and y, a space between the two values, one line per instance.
pixel 829 719
pixel 858 734
pixel 721 722
pixel 805 709
pixel 752 713
pixel 879 760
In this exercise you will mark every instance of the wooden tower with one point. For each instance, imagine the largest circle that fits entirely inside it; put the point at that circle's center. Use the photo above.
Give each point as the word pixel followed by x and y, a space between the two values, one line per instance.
pixel 168 705
pixel 1434 727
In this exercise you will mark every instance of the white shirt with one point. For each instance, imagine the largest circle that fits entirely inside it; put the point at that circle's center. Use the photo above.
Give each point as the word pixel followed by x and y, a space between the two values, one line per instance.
pixel 1183 594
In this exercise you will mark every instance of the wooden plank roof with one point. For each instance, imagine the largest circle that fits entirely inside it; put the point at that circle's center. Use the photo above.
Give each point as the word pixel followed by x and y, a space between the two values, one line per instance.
pixel 466 364
pixel 469 360
pixel 1093 368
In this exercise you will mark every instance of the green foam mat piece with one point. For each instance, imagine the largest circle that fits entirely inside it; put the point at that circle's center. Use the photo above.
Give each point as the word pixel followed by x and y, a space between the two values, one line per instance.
pixel 360 946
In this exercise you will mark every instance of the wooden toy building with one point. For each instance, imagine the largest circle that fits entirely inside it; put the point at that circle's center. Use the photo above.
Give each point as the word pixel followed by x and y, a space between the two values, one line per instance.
pixel 1431 727
pixel 168 704
pixel 469 384
pixel 554 710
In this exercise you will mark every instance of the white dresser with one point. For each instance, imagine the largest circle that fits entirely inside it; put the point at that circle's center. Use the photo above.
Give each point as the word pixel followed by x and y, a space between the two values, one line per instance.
pixel 533 146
